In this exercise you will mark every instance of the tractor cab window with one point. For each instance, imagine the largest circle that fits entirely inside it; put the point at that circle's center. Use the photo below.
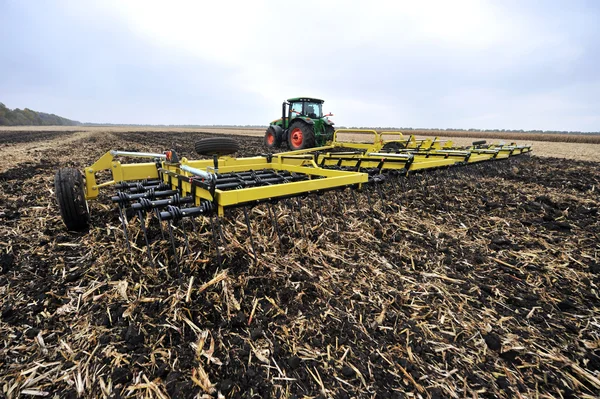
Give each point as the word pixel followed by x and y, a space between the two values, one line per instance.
pixel 313 110
pixel 296 109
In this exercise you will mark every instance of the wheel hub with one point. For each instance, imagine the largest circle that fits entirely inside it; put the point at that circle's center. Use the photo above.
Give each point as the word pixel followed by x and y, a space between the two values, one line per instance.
pixel 297 137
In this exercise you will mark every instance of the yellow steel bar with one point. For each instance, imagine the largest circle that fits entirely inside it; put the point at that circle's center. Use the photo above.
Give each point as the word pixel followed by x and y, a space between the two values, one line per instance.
pixel 252 194
pixel 357 131
pixel 427 163
pixel 91 187
pixel 186 186
pixel 504 153
pixel 377 140
pixel 474 158
pixel 242 168
pixel 305 151
pixel 391 133
pixel 334 144
pixel 313 171
pixel 359 146
pixel 325 179
pixel 138 171
pixel 225 161
pixel 425 158
pixel 367 164
pixel 120 172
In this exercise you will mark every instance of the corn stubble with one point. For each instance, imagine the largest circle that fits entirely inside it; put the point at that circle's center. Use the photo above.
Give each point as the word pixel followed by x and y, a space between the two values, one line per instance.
pixel 480 281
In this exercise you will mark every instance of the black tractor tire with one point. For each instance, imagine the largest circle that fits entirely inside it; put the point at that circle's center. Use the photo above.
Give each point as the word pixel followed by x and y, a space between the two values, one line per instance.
pixel 68 187
pixel 217 146
pixel 329 130
pixel 479 142
pixel 301 136
pixel 272 139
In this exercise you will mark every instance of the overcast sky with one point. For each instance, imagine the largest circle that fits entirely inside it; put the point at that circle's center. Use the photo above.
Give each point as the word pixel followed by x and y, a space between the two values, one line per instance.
pixel 462 64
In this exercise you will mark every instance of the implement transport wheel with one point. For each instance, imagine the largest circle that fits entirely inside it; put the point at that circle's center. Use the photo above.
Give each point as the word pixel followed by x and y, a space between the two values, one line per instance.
pixel 301 136
pixel 217 146
pixel 479 142
pixel 392 146
pixel 272 139
pixel 68 186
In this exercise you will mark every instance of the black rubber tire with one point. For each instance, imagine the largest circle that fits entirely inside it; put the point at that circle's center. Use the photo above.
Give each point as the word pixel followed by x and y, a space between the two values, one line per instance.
pixel 217 146
pixel 392 146
pixel 308 136
pixel 276 138
pixel 329 130
pixel 479 142
pixel 69 186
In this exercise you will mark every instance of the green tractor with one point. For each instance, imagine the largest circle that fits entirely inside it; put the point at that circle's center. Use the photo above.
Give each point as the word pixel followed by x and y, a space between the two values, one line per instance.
pixel 302 125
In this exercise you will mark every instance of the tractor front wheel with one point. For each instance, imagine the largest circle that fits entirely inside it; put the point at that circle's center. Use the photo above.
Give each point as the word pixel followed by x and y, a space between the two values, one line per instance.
pixel 301 135
pixel 68 186
pixel 272 139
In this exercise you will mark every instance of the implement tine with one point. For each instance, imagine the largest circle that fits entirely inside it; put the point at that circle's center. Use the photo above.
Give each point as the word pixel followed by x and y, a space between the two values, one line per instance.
pixel 220 230
pixel 172 238
pixel 215 240
pixel 354 199
pixel 250 234
pixel 369 198
pixel 143 223
pixel 339 204
pixel 320 208
pixel 383 207
pixel 194 228
pixel 312 208
pixel 340 207
pixel 160 226
pixel 392 180
pixel 287 202
pixel 405 182
pixel 273 215
pixel 124 224
pixel 187 246
pixel 300 217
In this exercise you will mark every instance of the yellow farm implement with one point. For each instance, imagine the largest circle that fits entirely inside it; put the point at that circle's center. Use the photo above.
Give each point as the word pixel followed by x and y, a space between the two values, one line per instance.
pixel 173 188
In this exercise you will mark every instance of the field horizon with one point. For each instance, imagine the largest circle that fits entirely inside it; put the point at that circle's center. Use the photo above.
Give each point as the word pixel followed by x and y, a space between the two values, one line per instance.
pixel 569 146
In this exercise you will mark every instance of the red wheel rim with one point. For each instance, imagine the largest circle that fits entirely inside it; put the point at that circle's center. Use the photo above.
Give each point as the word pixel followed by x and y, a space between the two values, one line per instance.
pixel 270 138
pixel 296 137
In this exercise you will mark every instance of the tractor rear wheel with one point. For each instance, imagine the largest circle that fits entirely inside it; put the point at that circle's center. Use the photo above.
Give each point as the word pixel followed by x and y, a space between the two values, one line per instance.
pixel 217 146
pixel 329 130
pixel 272 139
pixel 301 135
pixel 68 187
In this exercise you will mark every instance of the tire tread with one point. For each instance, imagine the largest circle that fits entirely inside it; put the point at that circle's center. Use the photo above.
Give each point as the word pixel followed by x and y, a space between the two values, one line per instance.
pixel 217 145
pixel 68 186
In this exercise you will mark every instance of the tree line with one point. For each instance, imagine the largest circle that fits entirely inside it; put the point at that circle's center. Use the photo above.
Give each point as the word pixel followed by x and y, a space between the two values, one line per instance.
pixel 28 117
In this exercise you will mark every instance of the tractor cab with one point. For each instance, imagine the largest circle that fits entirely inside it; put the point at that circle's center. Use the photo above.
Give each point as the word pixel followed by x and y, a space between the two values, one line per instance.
pixel 307 107
pixel 302 125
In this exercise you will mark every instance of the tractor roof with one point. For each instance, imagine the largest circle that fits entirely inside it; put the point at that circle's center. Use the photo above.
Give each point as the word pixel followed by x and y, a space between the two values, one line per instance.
pixel 297 99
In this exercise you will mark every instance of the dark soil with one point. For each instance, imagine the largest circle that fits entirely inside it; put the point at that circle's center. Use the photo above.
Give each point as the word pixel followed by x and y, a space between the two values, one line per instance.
pixel 479 281
pixel 14 137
